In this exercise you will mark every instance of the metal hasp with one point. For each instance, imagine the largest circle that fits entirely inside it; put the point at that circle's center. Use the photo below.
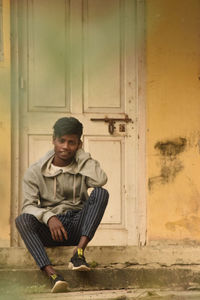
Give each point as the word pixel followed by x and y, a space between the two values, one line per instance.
pixel 111 122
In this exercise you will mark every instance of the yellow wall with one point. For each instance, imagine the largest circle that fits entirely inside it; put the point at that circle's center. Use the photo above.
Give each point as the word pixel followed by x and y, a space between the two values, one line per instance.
pixel 173 119
pixel 5 135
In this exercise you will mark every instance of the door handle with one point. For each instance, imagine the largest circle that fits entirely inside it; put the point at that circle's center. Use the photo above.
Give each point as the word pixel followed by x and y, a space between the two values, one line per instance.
pixel 111 122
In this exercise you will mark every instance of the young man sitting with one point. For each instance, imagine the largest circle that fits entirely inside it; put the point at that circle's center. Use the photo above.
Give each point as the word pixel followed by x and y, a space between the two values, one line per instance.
pixel 57 210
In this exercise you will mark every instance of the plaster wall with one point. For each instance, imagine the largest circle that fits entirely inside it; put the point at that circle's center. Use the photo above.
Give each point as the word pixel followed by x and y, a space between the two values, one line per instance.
pixel 173 120
pixel 5 126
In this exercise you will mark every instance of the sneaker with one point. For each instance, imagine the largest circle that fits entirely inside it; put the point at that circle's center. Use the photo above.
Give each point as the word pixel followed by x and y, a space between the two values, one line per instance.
pixel 59 284
pixel 78 262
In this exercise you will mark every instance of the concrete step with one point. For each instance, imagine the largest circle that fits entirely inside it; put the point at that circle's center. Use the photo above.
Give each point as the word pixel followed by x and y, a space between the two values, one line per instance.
pixel 103 278
pixel 152 267
pixel 164 255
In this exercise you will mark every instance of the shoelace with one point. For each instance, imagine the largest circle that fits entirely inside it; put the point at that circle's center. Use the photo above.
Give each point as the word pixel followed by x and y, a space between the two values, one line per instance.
pixel 80 253
pixel 54 276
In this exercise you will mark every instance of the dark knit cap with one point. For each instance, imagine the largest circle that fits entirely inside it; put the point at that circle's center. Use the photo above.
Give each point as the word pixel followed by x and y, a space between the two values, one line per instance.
pixel 67 125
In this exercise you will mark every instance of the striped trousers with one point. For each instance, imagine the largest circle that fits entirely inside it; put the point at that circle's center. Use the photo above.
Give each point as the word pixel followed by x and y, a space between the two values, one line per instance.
pixel 77 223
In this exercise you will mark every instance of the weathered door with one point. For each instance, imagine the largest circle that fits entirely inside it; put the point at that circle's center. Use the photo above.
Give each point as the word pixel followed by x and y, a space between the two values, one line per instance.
pixel 78 58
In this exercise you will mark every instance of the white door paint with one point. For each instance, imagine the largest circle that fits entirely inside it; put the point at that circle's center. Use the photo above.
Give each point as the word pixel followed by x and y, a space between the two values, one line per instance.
pixel 78 58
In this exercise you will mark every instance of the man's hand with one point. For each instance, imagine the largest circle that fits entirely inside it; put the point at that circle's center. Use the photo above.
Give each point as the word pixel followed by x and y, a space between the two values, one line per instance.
pixel 57 229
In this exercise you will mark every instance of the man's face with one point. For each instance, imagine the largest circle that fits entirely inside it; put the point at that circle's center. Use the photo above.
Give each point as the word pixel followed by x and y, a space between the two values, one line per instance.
pixel 65 148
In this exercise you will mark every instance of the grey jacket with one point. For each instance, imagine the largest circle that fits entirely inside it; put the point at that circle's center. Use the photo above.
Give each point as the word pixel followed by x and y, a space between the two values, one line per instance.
pixel 46 195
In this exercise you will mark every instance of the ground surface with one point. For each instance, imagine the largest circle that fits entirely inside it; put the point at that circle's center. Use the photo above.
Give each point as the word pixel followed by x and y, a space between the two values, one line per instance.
pixel 126 294
pixel 123 295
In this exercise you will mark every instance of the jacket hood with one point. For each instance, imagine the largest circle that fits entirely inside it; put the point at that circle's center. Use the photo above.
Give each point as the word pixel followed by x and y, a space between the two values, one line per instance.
pixel 74 168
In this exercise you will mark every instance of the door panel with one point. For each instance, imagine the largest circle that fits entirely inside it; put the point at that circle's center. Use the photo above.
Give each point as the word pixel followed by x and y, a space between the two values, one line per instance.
pixel 78 59
pixel 113 150
pixel 47 54
pixel 103 42
pixel 38 145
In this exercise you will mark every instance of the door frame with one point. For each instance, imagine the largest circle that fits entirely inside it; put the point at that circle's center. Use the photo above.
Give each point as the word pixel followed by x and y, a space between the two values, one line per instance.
pixel 17 84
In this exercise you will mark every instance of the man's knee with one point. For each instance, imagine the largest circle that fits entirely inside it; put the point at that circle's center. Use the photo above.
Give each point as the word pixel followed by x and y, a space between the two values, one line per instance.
pixel 101 194
pixel 25 220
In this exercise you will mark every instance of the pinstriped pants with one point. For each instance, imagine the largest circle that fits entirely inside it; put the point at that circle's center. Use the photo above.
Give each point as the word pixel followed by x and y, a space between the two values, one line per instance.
pixel 84 222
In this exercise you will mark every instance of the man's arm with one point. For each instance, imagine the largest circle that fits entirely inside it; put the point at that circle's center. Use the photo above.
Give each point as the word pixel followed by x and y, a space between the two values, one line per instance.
pixel 31 198
pixel 31 206
pixel 90 168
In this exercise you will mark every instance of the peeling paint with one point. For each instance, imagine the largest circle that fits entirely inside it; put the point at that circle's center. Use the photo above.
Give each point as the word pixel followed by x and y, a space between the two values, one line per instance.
pixel 170 163
pixel 171 148
pixel 192 224
pixel 194 207
pixel 169 172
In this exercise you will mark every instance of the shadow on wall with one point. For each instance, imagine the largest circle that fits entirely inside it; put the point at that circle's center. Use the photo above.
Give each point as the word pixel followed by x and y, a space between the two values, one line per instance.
pixel 170 162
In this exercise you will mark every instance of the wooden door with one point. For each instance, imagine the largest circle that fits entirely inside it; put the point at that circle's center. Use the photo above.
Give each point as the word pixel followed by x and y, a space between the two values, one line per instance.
pixel 78 58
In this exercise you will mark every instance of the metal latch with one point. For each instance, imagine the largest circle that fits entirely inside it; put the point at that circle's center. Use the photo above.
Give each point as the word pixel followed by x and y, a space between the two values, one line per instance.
pixel 111 122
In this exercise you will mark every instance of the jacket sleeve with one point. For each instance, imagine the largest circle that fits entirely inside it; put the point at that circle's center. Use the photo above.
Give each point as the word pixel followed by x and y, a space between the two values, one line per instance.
pixel 31 201
pixel 90 168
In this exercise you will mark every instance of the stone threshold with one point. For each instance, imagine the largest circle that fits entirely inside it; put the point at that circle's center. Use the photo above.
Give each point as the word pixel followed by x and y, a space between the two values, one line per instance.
pixel 109 255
